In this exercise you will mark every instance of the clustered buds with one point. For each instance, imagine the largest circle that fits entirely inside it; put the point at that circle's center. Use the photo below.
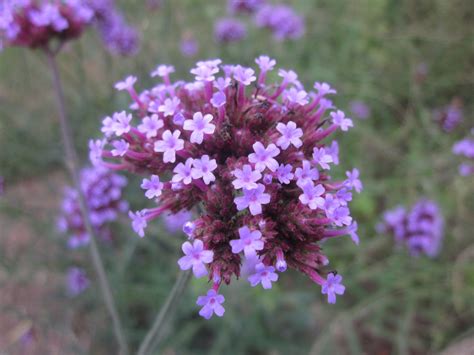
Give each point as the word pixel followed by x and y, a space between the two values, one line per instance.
pixel 118 36
pixel 229 30
pixel 103 193
pixel 35 23
pixel 251 157
pixel 282 20
pixel 450 116
pixel 465 148
pixel 420 229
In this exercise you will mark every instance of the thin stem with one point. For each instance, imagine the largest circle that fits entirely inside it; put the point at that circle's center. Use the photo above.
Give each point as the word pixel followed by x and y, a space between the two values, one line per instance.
pixel 153 338
pixel 71 162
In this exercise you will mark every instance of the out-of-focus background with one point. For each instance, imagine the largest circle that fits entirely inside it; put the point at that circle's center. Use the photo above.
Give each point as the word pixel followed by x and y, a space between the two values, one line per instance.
pixel 402 61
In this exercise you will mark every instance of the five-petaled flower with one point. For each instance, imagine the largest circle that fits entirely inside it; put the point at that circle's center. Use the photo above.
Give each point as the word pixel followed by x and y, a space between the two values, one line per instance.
pixel 264 275
pixel 211 304
pixel 183 172
pixel 195 257
pixel 249 242
pixel 246 177
pixel 311 195
pixel 253 199
pixel 153 186
pixel 169 144
pixel 199 126
pixel 290 134
pixel 263 157
pixel 332 287
pixel 339 119
pixel 203 168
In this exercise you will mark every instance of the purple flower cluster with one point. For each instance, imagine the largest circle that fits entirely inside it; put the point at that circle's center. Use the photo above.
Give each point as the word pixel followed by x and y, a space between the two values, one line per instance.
pixel 282 20
pixel 359 109
pixel 244 6
pixel 420 229
pixel 253 157
pixel 77 281
pixel 34 23
pixel 103 191
pixel 119 37
pixel 228 30
pixel 189 46
pixel 450 116
pixel 465 148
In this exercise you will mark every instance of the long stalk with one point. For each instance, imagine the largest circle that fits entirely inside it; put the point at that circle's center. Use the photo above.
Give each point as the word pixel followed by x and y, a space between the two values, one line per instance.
pixel 71 162
pixel 155 334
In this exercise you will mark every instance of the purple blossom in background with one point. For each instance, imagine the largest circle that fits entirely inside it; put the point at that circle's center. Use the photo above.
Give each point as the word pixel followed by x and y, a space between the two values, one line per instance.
pixel 34 24
pixel 465 148
pixel 244 6
pixel 118 36
pixel 229 30
pixel 419 229
pixel 450 116
pixel 189 46
pixel 359 109
pixel 103 192
pixel 282 20
pixel 259 177
pixel 77 281
pixel 174 222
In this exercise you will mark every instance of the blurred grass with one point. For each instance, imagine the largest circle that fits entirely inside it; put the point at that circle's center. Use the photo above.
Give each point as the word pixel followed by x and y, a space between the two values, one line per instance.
pixel 369 50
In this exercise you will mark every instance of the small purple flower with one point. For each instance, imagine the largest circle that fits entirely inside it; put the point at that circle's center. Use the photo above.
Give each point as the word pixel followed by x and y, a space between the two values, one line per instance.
pixel 311 195
pixel 263 157
pixel 169 144
pixel 341 216
pixel 199 126
pixel 205 72
pixel 195 257
pixel 324 89
pixel 139 222
pixel 246 177
pixel 284 173
pixel 339 119
pixel 122 123
pixel 218 99
pixel 332 287
pixel 353 233
pixel 250 242
pixel 290 134
pixel 333 151
pixel 126 84
pixel 162 71
pixel 360 109
pixel 353 181
pixel 253 199
pixel 296 97
pixel 264 275
pixel 265 63
pixel 282 20
pixel 321 157
pixel 306 174
pixel 96 147
pixel 150 126
pixel 289 77
pixel 211 304
pixel 189 47
pixel 169 107
pixel 229 30
pixel 243 75
pixel 120 148
pixel 203 168
pixel 183 172
pixel 222 83
pixel 153 187
pixel 77 281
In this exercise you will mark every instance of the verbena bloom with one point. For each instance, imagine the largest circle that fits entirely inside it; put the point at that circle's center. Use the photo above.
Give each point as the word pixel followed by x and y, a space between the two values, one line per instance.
pixel 244 166
pixel 263 275
pixel 333 287
pixel 282 20
pixel 244 6
pixel 195 257
pixel 199 125
pixel 450 116
pixel 77 281
pixel 249 242
pixel 465 148
pixel 359 109
pixel 103 193
pixel 229 30
pixel 36 24
pixel 420 229
pixel 189 46
pixel 253 199
pixel 353 181
pixel 153 186
pixel 211 304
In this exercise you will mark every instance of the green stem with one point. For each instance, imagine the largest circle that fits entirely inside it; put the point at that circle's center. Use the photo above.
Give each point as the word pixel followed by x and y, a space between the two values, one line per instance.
pixel 155 334
pixel 71 162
